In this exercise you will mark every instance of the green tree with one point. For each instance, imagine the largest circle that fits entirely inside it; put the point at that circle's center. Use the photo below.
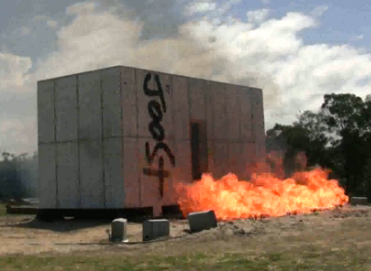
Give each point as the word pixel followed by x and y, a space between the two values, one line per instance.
pixel 345 116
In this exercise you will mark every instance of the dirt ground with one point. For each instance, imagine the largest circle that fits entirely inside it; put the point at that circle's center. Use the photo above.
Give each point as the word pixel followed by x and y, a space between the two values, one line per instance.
pixel 25 235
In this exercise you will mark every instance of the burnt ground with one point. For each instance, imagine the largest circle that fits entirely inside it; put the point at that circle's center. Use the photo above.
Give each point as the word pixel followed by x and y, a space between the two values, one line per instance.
pixel 336 228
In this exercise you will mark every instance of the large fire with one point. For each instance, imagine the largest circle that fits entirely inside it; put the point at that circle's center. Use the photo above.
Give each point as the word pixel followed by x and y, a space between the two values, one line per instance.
pixel 266 194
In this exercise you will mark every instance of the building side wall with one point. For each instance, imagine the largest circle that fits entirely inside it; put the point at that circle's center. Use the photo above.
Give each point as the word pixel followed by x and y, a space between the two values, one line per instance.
pixel 109 138
pixel 237 125
pixel 80 141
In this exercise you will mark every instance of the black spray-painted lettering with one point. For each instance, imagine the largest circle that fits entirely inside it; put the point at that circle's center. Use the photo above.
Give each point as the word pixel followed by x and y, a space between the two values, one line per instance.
pixel 155 127
pixel 159 92
pixel 157 131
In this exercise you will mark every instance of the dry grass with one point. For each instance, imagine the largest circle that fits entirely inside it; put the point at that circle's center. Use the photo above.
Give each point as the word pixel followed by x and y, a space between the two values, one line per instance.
pixel 333 240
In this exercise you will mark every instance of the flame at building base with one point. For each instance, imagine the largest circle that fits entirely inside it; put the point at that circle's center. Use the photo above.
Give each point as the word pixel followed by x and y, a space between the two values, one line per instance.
pixel 264 195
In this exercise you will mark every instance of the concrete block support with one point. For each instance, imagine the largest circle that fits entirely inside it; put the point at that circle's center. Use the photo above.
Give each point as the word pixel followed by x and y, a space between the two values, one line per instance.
pixel 119 230
pixel 200 221
pixel 155 228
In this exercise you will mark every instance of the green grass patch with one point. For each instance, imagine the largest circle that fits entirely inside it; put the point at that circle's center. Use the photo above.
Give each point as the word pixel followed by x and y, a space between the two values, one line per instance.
pixel 310 260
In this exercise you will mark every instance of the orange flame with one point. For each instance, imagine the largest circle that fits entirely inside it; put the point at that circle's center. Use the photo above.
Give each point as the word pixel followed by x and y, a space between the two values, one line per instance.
pixel 264 195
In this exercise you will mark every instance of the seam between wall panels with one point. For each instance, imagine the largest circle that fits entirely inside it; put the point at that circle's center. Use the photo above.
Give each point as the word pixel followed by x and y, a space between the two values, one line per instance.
pixel 190 119
pixel 147 137
pixel 137 136
pixel 78 141
pixel 226 104
pixel 211 103
pixel 204 97
pixel 239 138
pixel 122 163
pixel 55 146
pixel 175 141
pixel 189 109
pixel 102 142
pixel 252 121
pixel 239 109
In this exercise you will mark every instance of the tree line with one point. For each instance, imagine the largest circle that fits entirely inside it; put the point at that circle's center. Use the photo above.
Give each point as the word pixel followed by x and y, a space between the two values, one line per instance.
pixel 337 137
pixel 18 176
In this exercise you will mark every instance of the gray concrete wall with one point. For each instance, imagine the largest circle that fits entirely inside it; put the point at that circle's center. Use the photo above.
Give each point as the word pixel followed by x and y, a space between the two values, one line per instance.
pixel 94 128
pixel 46 146
pixel 66 108
pixel 80 141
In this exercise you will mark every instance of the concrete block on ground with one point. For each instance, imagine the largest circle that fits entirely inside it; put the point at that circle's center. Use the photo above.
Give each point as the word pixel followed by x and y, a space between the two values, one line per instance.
pixel 155 228
pixel 119 230
pixel 200 221
pixel 358 201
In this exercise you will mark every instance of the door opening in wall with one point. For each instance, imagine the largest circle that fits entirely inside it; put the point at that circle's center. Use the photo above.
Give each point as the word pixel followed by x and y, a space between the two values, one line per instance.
pixel 198 149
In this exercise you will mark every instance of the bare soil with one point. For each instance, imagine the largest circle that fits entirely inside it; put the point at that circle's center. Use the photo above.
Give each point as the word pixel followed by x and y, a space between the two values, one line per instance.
pixel 25 235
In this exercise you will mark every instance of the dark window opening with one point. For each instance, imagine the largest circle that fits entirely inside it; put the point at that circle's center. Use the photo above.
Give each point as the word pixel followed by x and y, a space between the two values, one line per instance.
pixel 198 150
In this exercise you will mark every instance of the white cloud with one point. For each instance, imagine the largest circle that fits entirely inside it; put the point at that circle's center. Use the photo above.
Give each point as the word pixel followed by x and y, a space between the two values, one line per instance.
pixel 318 11
pixel 200 7
pixel 18 135
pixel 40 18
pixel 13 72
pixel 49 22
pixel 265 2
pixel 257 16
pixel 83 8
pixel 25 30
pixel 271 55
pixel 228 4
pixel 359 37
pixel 52 24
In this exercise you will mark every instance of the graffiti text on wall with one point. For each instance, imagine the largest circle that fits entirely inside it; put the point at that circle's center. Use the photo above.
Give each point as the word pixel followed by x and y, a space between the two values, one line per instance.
pixel 157 131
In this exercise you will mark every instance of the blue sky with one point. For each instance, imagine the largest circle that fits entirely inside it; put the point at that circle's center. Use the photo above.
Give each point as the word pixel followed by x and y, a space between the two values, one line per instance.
pixel 295 50
pixel 343 22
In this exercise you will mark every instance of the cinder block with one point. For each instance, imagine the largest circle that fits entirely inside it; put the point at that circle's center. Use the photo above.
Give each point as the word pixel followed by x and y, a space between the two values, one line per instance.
pixel 200 221
pixel 358 201
pixel 155 228
pixel 119 230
